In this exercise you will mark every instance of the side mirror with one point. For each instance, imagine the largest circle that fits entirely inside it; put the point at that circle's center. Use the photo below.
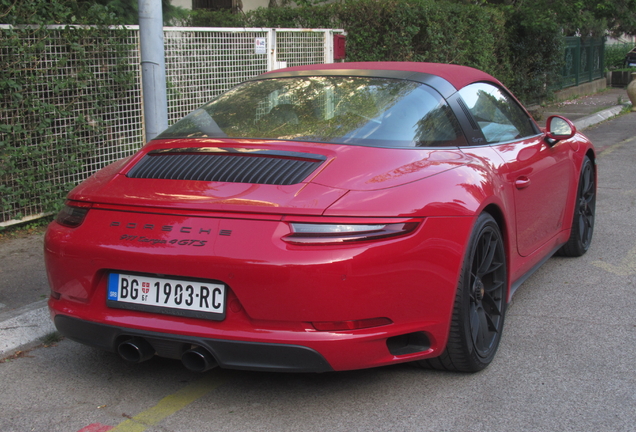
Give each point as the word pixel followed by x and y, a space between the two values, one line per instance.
pixel 559 128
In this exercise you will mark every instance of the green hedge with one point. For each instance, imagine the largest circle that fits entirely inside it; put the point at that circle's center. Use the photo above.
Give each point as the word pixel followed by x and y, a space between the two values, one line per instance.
pixel 535 54
pixel 615 55
pixel 520 48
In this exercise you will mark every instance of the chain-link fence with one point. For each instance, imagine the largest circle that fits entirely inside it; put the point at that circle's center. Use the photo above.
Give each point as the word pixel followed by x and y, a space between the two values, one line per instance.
pixel 200 64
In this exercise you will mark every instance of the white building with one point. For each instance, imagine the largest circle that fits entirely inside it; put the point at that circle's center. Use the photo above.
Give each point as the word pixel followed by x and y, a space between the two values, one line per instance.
pixel 244 5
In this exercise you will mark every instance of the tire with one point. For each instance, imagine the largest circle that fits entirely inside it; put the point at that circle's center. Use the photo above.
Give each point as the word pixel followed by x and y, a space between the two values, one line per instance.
pixel 584 213
pixel 480 303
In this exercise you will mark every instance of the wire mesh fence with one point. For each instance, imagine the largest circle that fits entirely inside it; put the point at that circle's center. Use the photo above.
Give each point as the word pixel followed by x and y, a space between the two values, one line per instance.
pixel 66 114
pixel 201 63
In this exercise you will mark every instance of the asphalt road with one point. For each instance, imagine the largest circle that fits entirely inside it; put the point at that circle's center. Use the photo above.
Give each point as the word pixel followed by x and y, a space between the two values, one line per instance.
pixel 566 361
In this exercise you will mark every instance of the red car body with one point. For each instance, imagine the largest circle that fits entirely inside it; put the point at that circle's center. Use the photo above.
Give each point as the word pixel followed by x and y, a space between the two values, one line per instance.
pixel 311 306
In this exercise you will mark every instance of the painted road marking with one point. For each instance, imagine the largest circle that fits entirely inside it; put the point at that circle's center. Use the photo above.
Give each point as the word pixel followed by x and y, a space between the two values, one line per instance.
pixel 626 268
pixel 615 147
pixel 628 265
pixel 96 427
pixel 168 405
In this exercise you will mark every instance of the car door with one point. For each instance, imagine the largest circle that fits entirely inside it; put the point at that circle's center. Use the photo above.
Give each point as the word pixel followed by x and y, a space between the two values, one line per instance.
pixel 538 174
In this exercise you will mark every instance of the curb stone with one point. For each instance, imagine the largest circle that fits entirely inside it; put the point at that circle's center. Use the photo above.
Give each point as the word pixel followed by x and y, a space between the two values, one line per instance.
pixel 601 116
pixel 27 325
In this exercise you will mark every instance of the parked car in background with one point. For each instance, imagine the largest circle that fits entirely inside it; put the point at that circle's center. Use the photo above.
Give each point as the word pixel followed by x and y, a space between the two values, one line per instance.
pixel 324 218
pixel 630 58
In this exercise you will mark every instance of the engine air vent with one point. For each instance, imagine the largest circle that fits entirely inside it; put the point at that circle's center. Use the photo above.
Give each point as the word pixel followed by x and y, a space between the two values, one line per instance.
pixel 227 165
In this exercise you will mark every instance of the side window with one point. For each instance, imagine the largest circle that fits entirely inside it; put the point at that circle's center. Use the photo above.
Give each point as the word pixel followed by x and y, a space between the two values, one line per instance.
pixel 419 118
pixel 499 117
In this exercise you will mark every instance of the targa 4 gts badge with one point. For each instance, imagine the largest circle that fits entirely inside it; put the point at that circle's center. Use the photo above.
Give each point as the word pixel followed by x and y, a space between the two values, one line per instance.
pixel 134 227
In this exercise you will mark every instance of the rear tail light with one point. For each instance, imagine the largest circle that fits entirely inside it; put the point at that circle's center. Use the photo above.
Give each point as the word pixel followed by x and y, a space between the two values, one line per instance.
pixel 73 213
pixel 310 233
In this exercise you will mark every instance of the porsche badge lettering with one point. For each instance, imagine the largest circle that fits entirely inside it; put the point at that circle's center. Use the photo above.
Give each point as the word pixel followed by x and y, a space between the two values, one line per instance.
pixel 164 229
pixel 182 242
pixel 153 227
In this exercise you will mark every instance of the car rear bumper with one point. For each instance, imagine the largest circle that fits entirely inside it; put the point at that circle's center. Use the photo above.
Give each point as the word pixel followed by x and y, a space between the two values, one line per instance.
pixel 276 293
pixel 276 348
pixel 228 354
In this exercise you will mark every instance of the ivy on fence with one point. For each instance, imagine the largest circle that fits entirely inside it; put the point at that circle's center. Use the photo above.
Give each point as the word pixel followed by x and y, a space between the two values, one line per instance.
pixel 59 90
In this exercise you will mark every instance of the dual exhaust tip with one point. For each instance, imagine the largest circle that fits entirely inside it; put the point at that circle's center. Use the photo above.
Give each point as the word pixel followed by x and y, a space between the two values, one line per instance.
pixel 137 350
pixel 198 359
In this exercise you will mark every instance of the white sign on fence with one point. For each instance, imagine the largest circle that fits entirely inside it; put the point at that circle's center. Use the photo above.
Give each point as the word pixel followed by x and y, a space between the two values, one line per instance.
pixel 260 45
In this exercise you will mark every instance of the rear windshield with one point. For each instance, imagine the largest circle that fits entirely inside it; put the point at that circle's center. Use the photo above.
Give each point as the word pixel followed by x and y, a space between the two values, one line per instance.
pixel 344 110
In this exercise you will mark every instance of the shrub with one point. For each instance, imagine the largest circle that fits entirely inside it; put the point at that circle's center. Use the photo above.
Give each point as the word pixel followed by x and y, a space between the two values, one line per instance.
pixel 522 49
pixel 519 46
pixel 535 48
pixel 615 55
pixel 207 18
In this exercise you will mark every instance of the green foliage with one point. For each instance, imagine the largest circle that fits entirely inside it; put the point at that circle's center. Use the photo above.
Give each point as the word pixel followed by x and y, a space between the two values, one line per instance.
pixel 208 18
pixel 309 2
pixel 535 53
pixel 521 47
pixel 423 31
pixel 50 339
pixel 40 133
pixel 619 16
pixel 615 55
pixel 320 16
pixel 586 18
pixel 127 11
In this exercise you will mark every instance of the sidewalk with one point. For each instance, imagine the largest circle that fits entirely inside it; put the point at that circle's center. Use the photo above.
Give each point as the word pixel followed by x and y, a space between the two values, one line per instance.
pixel 24 318
pixel 587 111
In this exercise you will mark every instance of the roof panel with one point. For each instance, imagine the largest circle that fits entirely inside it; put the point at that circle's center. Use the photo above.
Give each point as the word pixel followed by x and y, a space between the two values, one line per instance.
pixel 458 76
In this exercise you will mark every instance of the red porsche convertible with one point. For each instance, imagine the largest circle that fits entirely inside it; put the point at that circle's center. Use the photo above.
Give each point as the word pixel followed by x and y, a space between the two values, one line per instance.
pixel 319 218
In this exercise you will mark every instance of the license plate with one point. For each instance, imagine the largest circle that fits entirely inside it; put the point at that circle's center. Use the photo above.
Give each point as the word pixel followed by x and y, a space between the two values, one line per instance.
pixel 188 298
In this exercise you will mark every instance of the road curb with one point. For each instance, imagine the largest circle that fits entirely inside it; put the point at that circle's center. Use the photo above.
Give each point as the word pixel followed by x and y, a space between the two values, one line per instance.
pixel 27 326
pixel 601 116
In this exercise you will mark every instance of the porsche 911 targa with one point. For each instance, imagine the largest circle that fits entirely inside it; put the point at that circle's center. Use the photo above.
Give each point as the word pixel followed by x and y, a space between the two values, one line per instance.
pixel 324 218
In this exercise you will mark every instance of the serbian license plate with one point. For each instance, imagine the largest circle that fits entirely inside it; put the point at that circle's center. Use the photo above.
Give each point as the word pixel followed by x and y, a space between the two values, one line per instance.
pixel 188 298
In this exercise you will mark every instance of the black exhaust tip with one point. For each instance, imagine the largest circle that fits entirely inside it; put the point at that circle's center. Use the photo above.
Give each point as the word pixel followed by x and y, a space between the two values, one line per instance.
pixel 198 360
pixel 409 343
pixel 135 350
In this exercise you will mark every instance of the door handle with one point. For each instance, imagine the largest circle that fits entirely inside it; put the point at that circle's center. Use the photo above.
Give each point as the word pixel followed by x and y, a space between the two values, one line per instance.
pixel 522 182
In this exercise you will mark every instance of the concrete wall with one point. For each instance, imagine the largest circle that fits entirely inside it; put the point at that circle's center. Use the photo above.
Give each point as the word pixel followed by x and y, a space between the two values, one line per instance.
pixel 249 5
pixel 581 89
pixel 186 4
pixel 622 39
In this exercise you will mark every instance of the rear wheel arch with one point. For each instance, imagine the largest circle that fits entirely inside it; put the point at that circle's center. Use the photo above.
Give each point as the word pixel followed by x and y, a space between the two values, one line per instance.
pixel 495 211
pixel 498 215
pixel 583 215
pixel 592 156
pixel 480 301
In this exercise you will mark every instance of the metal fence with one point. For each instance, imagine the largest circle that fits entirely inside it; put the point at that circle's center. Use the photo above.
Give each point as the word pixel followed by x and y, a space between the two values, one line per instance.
pixel 584 60
pixel 204 62
pixel 200 64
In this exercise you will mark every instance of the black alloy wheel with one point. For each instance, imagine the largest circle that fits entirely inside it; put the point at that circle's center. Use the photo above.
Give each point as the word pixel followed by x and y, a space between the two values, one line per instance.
pixel 584 213
pixel 480 303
